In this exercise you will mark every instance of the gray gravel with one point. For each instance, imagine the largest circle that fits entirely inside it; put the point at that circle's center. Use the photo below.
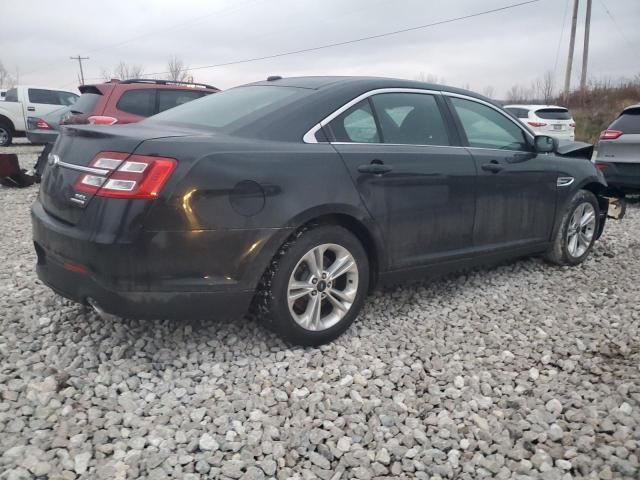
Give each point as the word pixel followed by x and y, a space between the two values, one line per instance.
pixel 524 371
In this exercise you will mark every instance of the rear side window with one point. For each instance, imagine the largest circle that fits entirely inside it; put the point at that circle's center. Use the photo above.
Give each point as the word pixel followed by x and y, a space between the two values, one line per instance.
pixel 518 112
pixel 139 102
pixel 628 122
pixel 86 103
pixel 11 95
pixel 172 98
pixel 554 114
pixel 355 125
pixel 410 118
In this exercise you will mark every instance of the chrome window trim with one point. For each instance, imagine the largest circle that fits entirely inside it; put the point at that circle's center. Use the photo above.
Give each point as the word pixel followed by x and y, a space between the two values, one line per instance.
pixel 310 136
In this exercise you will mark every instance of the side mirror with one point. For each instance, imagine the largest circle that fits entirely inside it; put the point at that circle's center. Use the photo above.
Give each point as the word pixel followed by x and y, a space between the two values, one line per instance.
pixel 545 144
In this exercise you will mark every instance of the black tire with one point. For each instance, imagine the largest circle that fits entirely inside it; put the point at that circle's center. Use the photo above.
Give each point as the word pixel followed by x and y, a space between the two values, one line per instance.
pixel 271 303
pixel 6 134
pixel 560 253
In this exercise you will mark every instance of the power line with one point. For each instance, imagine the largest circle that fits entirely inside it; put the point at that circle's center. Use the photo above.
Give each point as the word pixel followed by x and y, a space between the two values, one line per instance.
pixel 356 40
pixel 618 29
pixel 150 32
pixel 564 23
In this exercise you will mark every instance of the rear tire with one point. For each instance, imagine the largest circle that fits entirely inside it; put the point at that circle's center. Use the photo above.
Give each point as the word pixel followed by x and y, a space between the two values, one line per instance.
pixel 315 286
pixel 6 134
pixel 577 230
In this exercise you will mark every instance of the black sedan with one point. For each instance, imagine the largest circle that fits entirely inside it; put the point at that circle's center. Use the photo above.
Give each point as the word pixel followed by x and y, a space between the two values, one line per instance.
pixel 294 197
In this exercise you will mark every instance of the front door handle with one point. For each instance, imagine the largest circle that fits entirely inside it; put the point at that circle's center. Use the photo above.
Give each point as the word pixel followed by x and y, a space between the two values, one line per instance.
pixel 493 166
pixel 31 109
pixel 377 168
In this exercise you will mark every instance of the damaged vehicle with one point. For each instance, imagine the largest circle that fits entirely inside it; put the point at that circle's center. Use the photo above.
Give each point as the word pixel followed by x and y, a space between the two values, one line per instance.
pixel 294 197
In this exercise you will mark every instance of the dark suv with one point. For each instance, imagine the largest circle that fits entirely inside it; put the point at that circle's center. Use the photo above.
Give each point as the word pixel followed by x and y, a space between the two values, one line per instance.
pixel 130 101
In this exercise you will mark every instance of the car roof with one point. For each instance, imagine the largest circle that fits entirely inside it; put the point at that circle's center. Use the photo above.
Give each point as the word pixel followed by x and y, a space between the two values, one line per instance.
pixel 631 107
pixel 368 83
pixel 534 107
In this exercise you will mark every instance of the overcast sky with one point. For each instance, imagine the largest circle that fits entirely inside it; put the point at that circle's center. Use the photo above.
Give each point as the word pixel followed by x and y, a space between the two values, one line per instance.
pixel 501 49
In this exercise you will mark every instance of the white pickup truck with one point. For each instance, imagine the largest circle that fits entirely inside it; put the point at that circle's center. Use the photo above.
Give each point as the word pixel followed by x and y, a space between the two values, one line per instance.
pixel 23 101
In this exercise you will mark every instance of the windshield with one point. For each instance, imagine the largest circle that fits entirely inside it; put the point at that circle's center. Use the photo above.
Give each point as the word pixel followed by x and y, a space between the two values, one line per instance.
pixel 239 105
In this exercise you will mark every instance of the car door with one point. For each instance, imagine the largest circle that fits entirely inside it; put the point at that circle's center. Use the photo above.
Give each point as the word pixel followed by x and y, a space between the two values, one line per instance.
pixel 516 188
pixel 41 101
pixel 417 186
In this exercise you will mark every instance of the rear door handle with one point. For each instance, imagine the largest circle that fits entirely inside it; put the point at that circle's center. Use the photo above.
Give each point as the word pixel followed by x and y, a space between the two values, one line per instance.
pixel 377 168
pixel 31 109
pixel 493 166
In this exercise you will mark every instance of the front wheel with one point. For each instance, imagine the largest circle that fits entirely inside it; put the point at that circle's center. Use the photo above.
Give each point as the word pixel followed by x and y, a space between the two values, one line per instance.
pixel 577 230
pixel 315 287
pixel 6 135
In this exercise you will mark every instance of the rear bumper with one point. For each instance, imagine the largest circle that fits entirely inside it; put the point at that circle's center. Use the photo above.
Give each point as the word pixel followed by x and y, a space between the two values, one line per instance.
pixel 40 137
pixel 157 275
pixel 624 176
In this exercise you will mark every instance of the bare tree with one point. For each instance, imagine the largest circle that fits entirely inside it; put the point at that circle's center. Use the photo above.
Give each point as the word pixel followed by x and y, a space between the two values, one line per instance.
pixel 518 93
pixel 6 80
pixel 547 87
pixel 177 70
pixel 428 78
pixel 488 91
pixel 122 71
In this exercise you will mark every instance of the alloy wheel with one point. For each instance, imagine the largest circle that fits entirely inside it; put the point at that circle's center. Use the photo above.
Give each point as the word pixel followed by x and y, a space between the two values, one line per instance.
pixel 322 287
pixel 4 136
pixel 581 229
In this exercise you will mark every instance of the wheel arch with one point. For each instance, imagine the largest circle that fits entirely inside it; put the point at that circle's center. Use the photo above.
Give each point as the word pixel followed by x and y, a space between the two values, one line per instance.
pixel 6 120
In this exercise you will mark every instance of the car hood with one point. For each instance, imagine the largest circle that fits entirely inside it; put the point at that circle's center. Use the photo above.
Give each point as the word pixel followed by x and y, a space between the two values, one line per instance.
pixel 567 148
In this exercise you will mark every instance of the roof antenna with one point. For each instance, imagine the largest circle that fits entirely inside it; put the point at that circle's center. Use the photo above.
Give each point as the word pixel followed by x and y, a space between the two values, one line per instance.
pixel 272 78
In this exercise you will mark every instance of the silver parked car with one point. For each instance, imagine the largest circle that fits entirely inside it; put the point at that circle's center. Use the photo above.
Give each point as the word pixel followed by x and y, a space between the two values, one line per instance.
pixel 619 151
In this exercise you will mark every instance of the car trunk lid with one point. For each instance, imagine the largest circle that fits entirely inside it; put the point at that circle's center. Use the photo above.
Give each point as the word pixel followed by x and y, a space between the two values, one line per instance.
pixel 71 158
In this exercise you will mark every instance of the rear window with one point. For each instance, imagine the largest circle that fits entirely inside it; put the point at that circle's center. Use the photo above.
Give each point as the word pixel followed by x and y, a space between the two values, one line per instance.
pixel 172 98
pixel 628 122
pixel 518 112
pixel 237 105
pixel 554 114
pixel 139 102
pixel 86 103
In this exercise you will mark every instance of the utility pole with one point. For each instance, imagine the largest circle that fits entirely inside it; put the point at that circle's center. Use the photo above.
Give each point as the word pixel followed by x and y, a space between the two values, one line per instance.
pixel 79 59
pixel 572 43
pixel 585 50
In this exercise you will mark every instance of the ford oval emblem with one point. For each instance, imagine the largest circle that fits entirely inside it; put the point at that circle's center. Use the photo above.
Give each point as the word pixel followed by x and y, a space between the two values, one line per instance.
pixel 53 159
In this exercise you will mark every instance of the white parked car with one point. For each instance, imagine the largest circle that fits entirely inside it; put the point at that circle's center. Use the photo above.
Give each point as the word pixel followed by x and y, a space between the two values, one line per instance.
pixel 546 120
pixel 23 101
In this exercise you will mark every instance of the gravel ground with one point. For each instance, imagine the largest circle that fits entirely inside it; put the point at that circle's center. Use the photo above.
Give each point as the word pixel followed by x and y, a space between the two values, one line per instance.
pixel 523 371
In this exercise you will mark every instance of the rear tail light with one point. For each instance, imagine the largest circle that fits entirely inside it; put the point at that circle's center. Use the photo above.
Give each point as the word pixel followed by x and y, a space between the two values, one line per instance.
pixel 601 166
pixel 118 175
pixel 101 120
pixel 537 124
pixel 610 134
pixel 572 125
pixel 41 124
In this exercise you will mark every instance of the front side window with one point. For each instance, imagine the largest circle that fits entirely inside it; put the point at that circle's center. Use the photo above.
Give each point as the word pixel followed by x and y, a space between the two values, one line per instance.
pixel 139 102
pixel 410 118
pixel 356 125
pixel 485 127
pixel 12 95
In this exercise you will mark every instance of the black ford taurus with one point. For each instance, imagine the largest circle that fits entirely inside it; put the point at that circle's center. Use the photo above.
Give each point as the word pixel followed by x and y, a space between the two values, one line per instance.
pixel 294 197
